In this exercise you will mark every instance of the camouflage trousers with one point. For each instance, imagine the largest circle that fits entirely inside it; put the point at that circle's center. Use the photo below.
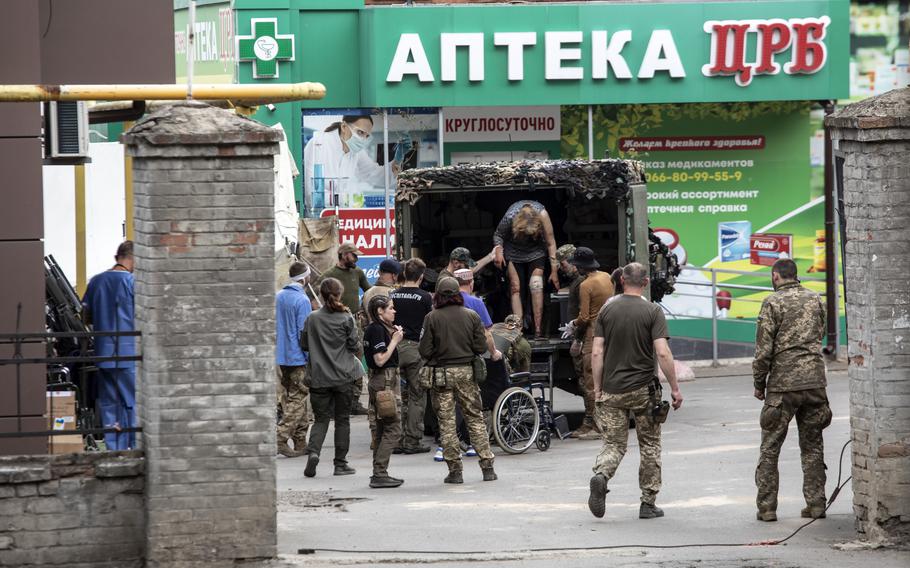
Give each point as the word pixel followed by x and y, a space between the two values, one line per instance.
pixel 357 386
pixel 388 430
pixel 587 376
pixel 612 417
pixel 460 386
pixel 813 414
pixel 296 415
pixel 414 396
pixel 280 392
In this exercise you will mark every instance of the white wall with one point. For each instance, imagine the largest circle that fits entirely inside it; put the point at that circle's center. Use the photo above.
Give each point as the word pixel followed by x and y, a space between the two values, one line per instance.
pixel 104 210
pixel 60 217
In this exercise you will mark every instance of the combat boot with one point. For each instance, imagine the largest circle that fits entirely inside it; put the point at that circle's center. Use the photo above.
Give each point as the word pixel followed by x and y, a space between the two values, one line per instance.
pixel 598 496
pixel 300 446
pixel 285 450
pixel 813 513
pixel 766 516
pixel 582 430
pixel 455 475
pixel 385 482
pixel 344 469
pixel 311 463
pixel 647 511
pixel 489 474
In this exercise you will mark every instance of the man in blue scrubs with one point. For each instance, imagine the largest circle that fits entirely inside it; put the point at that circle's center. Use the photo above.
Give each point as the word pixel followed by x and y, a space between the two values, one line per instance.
pixel 465 277
pixel 108 305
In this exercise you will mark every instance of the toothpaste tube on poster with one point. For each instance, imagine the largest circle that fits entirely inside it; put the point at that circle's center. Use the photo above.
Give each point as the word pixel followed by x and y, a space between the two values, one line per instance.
pixel 767 248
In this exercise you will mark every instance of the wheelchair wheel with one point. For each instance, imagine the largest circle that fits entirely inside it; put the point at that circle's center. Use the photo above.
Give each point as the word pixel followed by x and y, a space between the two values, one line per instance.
pixel 516 420
pixel 543 440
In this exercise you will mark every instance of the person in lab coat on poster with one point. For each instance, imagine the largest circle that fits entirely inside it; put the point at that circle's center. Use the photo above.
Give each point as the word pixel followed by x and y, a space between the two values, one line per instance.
pixel 342 152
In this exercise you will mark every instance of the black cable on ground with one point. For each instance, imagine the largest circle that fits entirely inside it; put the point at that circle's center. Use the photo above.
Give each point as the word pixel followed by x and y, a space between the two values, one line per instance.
pixel 834 494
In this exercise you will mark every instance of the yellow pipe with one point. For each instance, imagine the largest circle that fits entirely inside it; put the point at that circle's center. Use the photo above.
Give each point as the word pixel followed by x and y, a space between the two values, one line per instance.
pixel 128 187
pixel 248 94
pixel 81 279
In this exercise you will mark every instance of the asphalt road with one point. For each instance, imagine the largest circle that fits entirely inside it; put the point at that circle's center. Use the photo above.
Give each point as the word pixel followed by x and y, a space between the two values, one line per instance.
pixel 536 514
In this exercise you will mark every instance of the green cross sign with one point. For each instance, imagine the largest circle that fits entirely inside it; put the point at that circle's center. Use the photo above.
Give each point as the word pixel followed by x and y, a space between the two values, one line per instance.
pixel 265 47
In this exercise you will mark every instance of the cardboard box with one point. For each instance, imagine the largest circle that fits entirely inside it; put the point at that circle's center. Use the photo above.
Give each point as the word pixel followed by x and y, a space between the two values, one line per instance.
pixel 61 403
pixel 767 248
pixel 66 444
pixel 61 410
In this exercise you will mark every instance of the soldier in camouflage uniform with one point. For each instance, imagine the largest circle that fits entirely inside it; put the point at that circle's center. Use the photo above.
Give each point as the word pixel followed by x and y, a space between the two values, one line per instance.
pixel 629 334
pixel 515 348
pixel 452 337
pixel 292 308
pixel 296 417
pixel 571 278
pixel 789 375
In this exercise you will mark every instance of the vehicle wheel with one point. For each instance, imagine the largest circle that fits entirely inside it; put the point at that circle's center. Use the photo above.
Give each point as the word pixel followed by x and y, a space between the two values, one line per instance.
pixel 516 420
pixel 543 440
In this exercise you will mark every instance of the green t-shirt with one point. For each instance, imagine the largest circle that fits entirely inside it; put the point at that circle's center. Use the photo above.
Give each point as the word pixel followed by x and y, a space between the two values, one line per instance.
pixel 629 325
pixel 353 280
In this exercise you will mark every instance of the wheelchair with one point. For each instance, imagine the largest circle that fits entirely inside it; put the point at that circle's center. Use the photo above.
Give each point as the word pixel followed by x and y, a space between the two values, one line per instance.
pixel 519 418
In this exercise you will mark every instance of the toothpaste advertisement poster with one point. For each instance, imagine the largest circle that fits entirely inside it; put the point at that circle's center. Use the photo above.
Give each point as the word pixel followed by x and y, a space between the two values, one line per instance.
pixel 730 187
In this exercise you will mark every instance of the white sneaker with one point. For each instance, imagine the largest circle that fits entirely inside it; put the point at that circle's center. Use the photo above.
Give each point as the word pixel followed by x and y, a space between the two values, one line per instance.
pixel 438 455
pixel 471 452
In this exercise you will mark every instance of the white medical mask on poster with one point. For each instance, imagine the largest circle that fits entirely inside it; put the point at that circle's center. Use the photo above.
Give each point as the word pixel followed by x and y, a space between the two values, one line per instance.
pixel 359 139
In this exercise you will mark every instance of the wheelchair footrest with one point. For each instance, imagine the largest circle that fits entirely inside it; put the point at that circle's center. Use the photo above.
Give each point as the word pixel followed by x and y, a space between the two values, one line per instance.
pixel 562 426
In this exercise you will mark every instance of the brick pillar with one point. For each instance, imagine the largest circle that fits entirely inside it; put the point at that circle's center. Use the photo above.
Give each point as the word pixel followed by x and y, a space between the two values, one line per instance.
pixel 873 138
pixel 203 182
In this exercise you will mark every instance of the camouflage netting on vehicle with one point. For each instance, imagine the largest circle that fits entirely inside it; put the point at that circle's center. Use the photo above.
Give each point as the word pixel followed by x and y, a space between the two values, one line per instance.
pixel 595 178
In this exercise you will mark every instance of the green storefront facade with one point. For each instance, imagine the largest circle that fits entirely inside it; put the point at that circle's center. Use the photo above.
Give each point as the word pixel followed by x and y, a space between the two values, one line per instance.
pixel 716 98
pixel 351 48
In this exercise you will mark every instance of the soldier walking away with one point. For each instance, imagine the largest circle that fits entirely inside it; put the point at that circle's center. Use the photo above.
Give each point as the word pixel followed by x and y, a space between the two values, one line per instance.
pixel 108 306
pixel 380 348
pixel 628 333
pixel 452 338
pixel 412 304
pixel 330 337
pixel 593 293
pixel 352 278
pixel 789 374
pixel 292 307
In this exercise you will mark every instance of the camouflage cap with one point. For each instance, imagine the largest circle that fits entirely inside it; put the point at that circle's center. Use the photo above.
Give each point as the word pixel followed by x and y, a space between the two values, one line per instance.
pixel 514 320
pixel 349 247
pixel 462 254
pixel 565 252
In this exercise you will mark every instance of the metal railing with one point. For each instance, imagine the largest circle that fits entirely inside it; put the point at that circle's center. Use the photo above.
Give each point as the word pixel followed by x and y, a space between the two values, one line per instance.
pixel 715 287
pixel 59 371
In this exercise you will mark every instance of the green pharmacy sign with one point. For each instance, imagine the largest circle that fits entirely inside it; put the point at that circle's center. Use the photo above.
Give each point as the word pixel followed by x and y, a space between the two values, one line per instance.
pixel 265 47
pixel 596 53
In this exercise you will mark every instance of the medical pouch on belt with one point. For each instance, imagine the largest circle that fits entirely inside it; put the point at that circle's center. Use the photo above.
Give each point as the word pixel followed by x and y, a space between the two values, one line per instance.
pixel 386 405
pixel 660 408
